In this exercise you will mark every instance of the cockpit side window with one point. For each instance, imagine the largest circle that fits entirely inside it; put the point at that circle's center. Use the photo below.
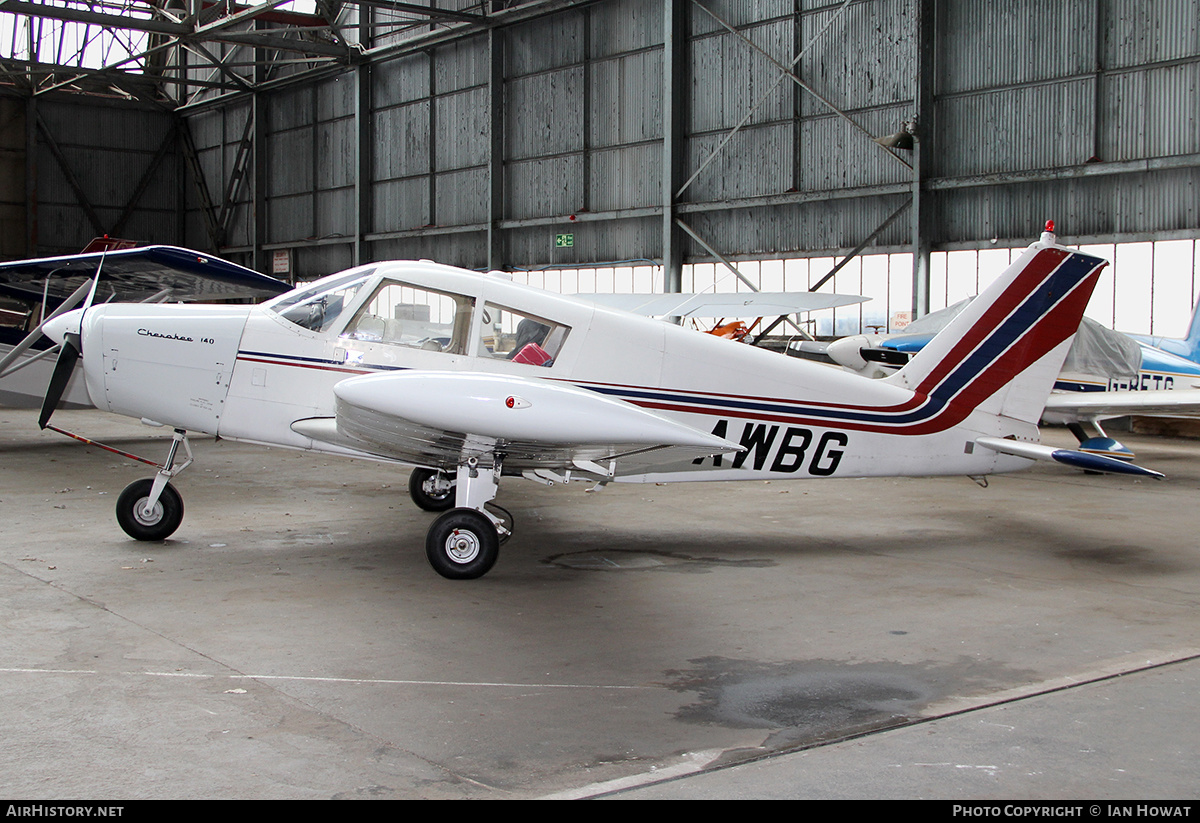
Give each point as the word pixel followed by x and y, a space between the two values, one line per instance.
pixel 519 337
pixel 401 314
pixel 318 307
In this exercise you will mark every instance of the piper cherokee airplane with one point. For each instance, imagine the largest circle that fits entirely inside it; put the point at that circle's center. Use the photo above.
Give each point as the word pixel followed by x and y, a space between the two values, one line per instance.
pixel 473 380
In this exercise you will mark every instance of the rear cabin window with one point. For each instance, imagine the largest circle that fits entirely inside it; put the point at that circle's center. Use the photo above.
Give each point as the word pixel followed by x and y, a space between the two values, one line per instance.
pixel 511 335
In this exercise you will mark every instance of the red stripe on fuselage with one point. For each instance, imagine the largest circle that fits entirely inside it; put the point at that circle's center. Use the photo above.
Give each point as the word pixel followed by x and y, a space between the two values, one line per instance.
pixel 317 366
pixel 1050 330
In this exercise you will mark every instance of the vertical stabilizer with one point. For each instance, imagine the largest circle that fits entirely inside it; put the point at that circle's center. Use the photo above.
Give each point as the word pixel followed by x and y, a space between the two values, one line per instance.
pixel 1002 353
pixel 1192 341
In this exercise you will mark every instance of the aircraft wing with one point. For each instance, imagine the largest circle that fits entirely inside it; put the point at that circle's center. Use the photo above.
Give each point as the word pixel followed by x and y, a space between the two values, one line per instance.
pixel 133 275
pixel 740 304
pixel 437 419
pixel 1102 404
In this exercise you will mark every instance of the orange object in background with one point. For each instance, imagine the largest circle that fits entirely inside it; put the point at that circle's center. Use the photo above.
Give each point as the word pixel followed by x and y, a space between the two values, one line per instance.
pixel 737 330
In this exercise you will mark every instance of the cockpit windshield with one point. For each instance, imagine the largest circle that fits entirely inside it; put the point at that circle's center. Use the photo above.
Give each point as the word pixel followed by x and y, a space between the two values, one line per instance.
pixel 318 307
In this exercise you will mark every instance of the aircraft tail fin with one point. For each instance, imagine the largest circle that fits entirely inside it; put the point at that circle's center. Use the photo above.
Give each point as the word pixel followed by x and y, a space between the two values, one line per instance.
pixel 1002 353
pixel 1192 341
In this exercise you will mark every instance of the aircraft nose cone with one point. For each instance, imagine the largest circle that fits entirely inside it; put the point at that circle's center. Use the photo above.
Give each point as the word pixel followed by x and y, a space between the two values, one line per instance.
pixel 57 328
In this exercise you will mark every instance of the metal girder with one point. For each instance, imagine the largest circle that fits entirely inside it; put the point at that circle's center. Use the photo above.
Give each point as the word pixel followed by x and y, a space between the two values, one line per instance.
pixel 310 36
pixel 857 249
pixel 424 11
pixel 81 197
pixel 237 176
pixel 495 157
pixel 268 41
pixel 788 73
pixel 118 228
pixel 65 167
pixel 201 183
pixel 783 75
pixel 74 15
pixel 676 83
pixel 727 264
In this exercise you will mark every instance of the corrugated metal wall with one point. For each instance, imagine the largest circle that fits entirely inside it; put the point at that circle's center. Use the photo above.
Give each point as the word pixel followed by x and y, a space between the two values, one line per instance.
pixel 1080 110
pixel 94 174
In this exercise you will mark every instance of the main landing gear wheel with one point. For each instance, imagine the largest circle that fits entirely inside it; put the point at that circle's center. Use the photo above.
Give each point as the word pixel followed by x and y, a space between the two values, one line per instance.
pixel 462 544
pixel 423 492
pixel 163 519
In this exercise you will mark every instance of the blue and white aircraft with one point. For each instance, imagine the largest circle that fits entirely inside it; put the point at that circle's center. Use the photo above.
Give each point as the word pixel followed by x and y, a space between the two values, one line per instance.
pixel 1186 347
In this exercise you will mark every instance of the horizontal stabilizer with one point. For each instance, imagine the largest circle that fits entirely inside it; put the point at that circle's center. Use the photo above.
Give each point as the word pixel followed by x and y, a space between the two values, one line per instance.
pixel 1068 457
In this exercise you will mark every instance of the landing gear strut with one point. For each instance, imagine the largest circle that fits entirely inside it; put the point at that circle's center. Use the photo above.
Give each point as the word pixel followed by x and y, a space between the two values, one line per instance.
pixel 464 542
pixel 151 509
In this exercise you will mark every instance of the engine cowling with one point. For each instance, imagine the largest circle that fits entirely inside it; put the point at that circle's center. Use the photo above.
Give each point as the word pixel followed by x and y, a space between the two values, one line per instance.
pixel 169 364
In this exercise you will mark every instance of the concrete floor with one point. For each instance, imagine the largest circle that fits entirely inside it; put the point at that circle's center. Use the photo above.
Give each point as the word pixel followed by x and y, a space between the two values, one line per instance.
pixel 856 638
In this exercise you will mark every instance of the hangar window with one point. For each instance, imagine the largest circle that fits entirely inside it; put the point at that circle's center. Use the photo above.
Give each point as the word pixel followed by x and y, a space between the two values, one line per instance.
pixel 400 314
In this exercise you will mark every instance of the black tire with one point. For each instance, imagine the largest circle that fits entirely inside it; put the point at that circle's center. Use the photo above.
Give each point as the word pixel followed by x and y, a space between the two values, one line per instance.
pixel 168 513
pixel 427 500
pixel 462 544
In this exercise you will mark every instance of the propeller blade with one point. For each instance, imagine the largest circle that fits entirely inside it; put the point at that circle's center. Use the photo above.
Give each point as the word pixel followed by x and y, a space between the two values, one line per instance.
pixel 58 381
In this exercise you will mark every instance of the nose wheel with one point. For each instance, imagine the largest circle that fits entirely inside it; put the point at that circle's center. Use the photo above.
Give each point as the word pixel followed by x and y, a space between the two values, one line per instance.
pixel 143 520
pixel 151 509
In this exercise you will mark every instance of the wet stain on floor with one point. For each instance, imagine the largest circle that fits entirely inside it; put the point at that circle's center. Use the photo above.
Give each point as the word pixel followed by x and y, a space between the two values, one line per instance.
pixel 812 701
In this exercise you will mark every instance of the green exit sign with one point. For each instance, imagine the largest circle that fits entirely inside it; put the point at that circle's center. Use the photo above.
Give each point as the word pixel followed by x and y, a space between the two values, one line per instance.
pixel 564 241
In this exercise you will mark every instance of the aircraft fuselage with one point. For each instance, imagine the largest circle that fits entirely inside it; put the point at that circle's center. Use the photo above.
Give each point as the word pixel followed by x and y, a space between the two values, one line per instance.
pixel 250 373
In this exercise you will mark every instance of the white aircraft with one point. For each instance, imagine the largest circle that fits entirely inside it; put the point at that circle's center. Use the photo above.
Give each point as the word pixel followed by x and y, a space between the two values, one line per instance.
pixel 473 380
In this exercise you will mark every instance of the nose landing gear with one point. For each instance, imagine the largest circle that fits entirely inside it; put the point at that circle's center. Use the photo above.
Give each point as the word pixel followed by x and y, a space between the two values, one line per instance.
pixel 151 509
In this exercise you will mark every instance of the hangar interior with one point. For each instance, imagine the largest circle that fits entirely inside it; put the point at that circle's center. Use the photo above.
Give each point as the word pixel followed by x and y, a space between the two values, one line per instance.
pixel 1035 639
pixel 635 135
